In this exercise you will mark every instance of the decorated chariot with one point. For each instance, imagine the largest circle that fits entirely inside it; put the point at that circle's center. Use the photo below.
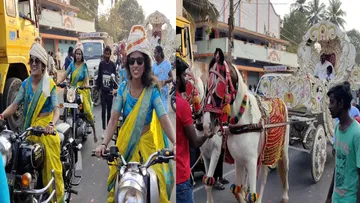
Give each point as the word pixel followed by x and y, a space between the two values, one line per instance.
pixel 305 95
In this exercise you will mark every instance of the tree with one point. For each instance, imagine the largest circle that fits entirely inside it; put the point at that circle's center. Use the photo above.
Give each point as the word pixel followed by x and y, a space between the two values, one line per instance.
pixel 335 14
pixel 295 27
pixel 111 23
pixel 316 12
pixel 354 36
pixel 299 5
pixel 132 14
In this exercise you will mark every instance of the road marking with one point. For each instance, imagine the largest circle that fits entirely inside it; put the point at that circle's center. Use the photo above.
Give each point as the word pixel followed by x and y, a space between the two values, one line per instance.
pixel 202 186
pixel 232 171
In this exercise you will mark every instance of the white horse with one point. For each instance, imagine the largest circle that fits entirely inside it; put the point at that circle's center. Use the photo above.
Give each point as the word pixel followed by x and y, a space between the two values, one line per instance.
pixel 211 149
pixel 245 147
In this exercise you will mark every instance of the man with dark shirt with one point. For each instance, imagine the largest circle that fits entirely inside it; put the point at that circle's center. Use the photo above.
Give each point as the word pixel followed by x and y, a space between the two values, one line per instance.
pixel 69 57
pixel 106 85
pixel 185 135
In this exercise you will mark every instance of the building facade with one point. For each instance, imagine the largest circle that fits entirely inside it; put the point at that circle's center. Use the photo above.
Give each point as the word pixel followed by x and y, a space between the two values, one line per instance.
pixel 257 40
pixel 59 26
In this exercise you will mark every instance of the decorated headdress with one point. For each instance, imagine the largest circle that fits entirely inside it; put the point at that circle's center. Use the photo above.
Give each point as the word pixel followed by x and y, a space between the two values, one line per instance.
pixel 39 52
pixel 79 46
pixel 137 41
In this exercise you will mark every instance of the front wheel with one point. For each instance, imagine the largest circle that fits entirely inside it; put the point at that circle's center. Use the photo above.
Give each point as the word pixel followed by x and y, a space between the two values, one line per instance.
pixel 12 87
pixel 318 154
pixel 95 96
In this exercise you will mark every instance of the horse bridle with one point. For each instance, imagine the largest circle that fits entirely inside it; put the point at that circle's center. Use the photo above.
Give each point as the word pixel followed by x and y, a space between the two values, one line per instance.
pixel 223 88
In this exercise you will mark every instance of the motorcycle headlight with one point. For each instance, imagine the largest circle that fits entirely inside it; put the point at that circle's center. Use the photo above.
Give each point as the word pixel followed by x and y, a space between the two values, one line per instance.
pixel 70 95
pixel 5 149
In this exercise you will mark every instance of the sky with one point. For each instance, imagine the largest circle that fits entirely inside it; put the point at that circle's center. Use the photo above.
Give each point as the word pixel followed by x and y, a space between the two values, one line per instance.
pixel 351 7
pixel 166 7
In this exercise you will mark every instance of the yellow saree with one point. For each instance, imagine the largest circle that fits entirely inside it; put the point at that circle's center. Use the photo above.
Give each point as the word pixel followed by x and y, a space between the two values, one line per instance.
pixel 50 142
pixel 130 142
pixel 87 103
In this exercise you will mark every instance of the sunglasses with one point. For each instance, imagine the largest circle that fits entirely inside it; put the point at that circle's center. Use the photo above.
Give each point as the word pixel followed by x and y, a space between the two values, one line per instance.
pixel 37 61
pixel 139 61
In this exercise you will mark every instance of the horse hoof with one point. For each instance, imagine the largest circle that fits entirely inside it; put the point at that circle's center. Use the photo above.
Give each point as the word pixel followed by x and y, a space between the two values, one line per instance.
pixel 285 200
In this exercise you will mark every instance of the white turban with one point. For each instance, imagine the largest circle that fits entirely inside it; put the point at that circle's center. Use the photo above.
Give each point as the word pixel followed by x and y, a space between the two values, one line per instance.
pixel 137 41
pixel 39 52
pixel 79 46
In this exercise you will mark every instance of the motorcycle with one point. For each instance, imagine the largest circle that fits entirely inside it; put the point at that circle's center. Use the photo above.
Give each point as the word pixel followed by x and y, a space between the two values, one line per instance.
pixel 74 113
pixel 173 96
pixel 95 92
pixel 137 182
pixel 69 156
pixel 23 161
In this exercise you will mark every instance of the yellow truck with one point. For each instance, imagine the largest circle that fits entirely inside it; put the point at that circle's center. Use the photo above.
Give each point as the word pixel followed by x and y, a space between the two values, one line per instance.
pixel 18 29
pixel 183 40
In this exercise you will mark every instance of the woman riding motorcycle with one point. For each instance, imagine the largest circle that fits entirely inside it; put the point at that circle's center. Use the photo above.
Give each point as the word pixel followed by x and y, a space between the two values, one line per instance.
pixel 38 95
pixel 139 100
pixel 80 77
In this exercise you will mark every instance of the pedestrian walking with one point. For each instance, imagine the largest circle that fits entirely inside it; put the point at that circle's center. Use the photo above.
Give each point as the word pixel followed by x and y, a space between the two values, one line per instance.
pixel 345 182
pixel 106 85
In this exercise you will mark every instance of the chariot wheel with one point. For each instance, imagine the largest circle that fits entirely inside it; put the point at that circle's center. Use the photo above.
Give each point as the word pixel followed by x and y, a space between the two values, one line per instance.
pixel 318 153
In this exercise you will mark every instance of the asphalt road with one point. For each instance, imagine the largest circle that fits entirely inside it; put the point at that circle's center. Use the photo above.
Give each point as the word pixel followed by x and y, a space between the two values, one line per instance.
pixel 301 186
pixel 94 171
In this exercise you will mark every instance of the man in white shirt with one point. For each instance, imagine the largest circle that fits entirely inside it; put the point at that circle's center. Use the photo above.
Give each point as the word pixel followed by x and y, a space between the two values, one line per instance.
pixel 321 68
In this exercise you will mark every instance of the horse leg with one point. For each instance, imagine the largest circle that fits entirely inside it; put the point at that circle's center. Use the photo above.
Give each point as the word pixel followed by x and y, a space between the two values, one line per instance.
pixel 264 174
pixel 251 166
pixel 209 180
pixel 283 172
pixel 238 187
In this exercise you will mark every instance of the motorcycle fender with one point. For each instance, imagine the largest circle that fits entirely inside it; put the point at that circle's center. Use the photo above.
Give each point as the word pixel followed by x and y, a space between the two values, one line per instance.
pixel 154 186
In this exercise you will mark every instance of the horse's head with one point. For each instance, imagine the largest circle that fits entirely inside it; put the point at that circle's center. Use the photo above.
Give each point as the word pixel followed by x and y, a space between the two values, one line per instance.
pixel 220 94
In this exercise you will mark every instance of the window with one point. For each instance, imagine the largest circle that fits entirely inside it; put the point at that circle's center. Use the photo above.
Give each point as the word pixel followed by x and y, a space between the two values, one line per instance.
pixel 24 8
pixel 10 8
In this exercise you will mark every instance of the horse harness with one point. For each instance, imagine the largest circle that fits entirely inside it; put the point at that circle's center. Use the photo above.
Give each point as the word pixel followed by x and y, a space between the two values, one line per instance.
pixel 224 90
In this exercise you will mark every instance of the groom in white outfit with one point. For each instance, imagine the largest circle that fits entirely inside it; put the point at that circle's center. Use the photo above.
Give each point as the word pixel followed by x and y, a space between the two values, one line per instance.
pixel 321 68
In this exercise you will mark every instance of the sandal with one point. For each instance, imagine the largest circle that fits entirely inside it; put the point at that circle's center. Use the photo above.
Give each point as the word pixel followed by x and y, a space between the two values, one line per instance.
pixel 219 186
pixel 224 181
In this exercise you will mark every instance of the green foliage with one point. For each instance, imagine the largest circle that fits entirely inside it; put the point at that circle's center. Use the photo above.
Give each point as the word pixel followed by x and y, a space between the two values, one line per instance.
pixel 118 22
pixel 132 14
pixel 335 14
pixel 295 27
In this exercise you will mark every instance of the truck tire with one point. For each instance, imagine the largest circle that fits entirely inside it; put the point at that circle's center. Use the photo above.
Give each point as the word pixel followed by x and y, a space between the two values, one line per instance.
pixel 12 87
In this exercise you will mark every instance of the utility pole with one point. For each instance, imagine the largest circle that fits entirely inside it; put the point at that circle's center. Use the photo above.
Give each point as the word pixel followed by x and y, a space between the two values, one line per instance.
pixel 231 30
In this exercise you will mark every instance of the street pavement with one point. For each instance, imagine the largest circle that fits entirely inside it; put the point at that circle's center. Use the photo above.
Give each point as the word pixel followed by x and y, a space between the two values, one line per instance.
pixel 301 186
pixel 93 187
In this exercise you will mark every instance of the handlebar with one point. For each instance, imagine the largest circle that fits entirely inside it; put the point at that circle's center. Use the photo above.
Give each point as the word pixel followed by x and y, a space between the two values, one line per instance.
pixel 160 156
pixel 63 85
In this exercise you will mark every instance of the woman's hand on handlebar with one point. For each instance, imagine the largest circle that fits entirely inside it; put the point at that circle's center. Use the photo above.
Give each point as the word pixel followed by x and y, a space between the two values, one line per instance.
pixel 100 150
pixel 49 130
